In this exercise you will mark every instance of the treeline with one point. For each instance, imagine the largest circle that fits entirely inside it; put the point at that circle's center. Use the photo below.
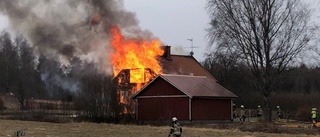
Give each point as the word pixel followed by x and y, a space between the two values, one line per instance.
pixel 26 74
pixel 296 89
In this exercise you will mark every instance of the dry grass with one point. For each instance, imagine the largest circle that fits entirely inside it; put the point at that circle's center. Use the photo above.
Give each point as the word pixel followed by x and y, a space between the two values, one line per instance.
pixel 45 129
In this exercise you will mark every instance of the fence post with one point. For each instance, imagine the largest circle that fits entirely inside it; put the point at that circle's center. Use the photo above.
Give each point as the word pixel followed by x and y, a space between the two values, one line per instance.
pixel 249 115
pixel 287 115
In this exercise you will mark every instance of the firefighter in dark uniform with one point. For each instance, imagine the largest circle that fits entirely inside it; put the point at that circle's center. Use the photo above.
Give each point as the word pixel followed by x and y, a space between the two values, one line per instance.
pixel 175 129
pixel 234 109
pixel 242 114
pixel 259 113
pixel 279 113
pixel 314 114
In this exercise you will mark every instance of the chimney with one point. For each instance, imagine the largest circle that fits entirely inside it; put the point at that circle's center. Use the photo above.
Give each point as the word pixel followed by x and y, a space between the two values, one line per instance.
pixel 167 52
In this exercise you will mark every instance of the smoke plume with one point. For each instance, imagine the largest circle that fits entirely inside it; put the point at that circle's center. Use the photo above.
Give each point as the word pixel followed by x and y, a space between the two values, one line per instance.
pixel 66 29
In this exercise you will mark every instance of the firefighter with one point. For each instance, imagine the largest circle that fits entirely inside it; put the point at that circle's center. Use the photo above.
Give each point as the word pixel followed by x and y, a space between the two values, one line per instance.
pixel 176 129
pixel 314 115
pixel 242 114
pixel 279 113
pixel 259 113
pixel 234 109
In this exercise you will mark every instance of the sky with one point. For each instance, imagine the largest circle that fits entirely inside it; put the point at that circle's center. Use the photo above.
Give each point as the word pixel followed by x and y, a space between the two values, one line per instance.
pixel 175 21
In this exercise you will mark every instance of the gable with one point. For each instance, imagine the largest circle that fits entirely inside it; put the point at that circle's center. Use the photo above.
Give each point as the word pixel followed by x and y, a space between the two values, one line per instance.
pixel 160 87
pixel 191 86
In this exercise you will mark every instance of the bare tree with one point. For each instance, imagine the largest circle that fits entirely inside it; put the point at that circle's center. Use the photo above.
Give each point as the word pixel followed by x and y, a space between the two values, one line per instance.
pixel 97 97
pixel 266 34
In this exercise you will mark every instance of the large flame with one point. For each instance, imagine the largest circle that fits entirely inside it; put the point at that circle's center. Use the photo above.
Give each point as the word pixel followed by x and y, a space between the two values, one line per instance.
pixel 136 55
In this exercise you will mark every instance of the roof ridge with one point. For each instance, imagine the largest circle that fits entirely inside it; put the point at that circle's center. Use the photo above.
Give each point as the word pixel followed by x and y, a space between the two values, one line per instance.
pixel 183 75
pixel 184 55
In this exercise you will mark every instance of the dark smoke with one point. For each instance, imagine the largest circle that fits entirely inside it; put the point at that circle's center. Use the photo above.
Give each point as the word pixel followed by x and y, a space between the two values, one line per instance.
pixel 71 28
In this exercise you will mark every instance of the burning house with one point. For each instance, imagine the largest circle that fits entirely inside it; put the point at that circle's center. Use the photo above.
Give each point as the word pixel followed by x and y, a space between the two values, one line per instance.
pixel 135 63
pixel 182 88
pixel 91 32
pixel 190 98
pixel 185 90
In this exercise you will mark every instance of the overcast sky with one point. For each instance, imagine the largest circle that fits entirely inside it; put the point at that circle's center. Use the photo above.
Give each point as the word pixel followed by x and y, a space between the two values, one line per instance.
pixel 175 21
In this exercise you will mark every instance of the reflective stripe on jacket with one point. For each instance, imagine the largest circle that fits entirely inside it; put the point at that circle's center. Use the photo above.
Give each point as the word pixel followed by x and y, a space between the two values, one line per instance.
pixel 176 129
pixel 242 112
pixel 313 114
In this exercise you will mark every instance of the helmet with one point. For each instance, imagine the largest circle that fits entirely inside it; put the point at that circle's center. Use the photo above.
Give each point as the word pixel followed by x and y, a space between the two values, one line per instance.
pixel 174 119
pixel 242 106
pixel 258 106
pixel 315 109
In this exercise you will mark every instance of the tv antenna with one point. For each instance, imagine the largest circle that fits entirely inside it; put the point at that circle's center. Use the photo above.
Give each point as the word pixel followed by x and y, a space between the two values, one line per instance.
pixel 191 40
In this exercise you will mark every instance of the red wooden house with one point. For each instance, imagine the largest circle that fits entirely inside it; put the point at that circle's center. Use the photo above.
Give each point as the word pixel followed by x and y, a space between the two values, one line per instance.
pixel 187 97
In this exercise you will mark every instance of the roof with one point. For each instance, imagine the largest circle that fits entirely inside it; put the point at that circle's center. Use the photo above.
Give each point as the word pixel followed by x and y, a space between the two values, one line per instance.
pixel 194 86
pixel 184 65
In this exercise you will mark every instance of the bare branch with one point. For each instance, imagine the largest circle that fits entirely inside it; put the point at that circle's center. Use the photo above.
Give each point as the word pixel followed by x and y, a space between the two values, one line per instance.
pixel 267 34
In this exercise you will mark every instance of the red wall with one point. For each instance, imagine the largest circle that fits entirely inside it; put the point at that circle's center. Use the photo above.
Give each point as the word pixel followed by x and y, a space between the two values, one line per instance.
pixel 211 109
pixel 160 87
pixel 163 108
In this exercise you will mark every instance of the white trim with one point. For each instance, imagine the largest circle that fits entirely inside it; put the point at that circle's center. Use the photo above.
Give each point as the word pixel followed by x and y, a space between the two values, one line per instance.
pixel 163 96
pixel 231 107
pixel 137 111
pixel 190 103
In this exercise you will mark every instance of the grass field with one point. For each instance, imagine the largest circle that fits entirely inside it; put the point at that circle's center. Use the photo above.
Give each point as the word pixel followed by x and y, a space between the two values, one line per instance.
pixel 45 129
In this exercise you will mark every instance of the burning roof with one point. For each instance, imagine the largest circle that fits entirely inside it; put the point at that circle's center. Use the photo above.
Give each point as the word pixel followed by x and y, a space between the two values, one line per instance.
pixel 135 54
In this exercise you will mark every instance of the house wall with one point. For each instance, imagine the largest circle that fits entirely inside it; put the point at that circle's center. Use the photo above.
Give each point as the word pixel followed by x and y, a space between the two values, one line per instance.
pixel 162 101
pixel 163 108
pixel 211 109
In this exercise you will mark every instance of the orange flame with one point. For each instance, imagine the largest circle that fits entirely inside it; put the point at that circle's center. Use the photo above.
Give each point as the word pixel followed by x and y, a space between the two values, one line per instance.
pixel 136 55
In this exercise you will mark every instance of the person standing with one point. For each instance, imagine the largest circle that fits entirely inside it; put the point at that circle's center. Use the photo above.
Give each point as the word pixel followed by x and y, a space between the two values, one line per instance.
pixel 314 115
pixel 259 113
pixel 176 129
pixel 242 114
pixel 234 109
pixel 279 113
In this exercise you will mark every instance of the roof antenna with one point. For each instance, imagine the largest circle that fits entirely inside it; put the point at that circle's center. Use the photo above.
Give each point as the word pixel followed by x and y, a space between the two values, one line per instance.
pixel 191 40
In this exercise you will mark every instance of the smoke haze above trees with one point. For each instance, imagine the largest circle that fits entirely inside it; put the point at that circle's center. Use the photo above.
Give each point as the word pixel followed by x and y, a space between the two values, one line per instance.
pixel 72 28
pixel 69 42
pixel 27 77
